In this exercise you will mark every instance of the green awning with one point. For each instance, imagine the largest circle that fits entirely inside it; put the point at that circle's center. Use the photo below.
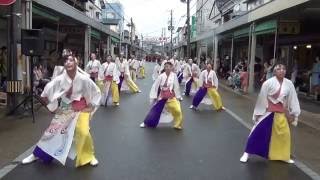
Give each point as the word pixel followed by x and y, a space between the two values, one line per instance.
pixel 115 40
pixel 244 32
pixel 96 34
pixel 44 13
pixel 266 27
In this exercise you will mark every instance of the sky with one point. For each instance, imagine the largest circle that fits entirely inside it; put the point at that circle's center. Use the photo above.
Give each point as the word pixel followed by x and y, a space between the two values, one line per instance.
pixel 150 16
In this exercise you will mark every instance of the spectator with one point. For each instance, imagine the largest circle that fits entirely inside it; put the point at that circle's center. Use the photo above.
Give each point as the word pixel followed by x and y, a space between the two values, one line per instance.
pixel 244 77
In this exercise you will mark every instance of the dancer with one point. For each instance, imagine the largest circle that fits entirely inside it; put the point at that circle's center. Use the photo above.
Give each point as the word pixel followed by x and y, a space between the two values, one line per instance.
pixel 110 76
pixel 164 94
pixel 141 69
pixel 208 85
pixel 126 83
pixel 93 67
pixel 80 98
pixel 134 65
pixel 191 73
pixel 277 104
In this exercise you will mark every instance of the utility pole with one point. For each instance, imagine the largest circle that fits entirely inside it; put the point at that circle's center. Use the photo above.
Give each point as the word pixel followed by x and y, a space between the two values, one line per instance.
pixel 131 34
pixel 188 29
pixel 171 31
pixel 141 45
pixel 121 34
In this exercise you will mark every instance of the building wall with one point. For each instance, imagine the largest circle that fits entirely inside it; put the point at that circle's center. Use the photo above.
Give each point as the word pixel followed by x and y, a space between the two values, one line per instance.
pixel 94 10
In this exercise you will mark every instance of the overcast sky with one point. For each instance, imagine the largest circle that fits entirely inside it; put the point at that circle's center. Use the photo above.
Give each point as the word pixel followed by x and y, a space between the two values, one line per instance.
pixel 150 16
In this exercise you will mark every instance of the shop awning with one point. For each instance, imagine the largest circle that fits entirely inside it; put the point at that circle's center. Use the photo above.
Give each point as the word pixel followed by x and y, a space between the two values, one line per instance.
pixel 266 27
pixel 43 13
pixel 7 2
pixel 244 32
pixel 96 34
pixel 115 40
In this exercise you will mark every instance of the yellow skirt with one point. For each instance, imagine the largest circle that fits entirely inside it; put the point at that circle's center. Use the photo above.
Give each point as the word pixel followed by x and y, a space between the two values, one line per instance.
pixel 83 140
pixel 280 143
pixel 215 98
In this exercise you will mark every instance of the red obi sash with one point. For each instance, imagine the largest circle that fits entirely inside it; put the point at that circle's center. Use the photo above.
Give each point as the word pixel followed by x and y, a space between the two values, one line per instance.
pixel 108 78
pixel 79 105
pixel 208 85
pixel 276 107
pixel 165 93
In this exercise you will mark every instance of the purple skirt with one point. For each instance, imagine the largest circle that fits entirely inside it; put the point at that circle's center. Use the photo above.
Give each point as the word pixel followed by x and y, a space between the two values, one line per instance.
pixel 121 81
pixel 38 152
pixel 153 117
pixel 201 93
pixel 188 87
pixel 259 139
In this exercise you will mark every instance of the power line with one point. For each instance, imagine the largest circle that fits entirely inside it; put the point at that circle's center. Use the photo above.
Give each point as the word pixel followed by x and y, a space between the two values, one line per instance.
pixel 184 15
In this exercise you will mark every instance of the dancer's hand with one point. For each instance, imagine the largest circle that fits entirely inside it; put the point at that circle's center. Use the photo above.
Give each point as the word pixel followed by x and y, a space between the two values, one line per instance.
pixel 295 122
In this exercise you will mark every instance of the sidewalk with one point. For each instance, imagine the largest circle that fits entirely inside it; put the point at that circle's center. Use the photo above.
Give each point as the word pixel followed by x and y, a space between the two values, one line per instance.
pixel 305 144
pixel 18 133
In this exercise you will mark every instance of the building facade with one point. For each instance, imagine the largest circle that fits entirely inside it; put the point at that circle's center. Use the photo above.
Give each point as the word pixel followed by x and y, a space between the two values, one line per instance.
pixel 258 31
pixel 76 25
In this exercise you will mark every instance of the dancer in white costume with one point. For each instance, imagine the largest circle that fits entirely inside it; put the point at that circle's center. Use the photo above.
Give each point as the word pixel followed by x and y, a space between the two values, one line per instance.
pixel 134 65
pixel 191 74
pixel 93 67
pixel 69 130
pixel 277 106
pixel 164 94
pixel 109 74
pixel 126 83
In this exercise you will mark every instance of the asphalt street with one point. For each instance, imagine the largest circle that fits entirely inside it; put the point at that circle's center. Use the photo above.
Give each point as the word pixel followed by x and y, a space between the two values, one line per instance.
pixel 208 148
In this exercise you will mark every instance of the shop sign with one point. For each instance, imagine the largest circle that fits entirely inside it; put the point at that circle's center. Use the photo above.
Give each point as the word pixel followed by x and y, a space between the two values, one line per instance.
pixel 72 30
pixel 289 27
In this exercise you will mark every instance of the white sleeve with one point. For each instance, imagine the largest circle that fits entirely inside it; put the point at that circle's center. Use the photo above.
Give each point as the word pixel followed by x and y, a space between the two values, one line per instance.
pixel 101 72
pixel 92 93
pixel 154 88
pixel 49 92
pixel 262 101
pixel 87 67
pixel 177 88
pixel 127 69
pixel 201 78
pixel 215 79
pixel 155 73
pixel 293 102
pixel 116 74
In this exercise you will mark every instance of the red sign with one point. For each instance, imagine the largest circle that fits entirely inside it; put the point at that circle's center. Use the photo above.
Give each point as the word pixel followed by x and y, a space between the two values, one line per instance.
pixel 6 2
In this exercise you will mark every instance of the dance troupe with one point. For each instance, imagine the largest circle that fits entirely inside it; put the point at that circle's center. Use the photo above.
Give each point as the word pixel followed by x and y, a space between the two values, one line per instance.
pixel 74 95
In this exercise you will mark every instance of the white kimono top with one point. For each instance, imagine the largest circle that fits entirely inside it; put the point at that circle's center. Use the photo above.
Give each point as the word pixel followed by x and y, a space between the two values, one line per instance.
pixel 135 64
pixel 195 69
pixel 109 69
pixel 93 66
pixel 142 63
pixel 211 77
pixel 172 83
pixel 288 97
pixel 123 67
pixel 156 72
pixel 82 87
